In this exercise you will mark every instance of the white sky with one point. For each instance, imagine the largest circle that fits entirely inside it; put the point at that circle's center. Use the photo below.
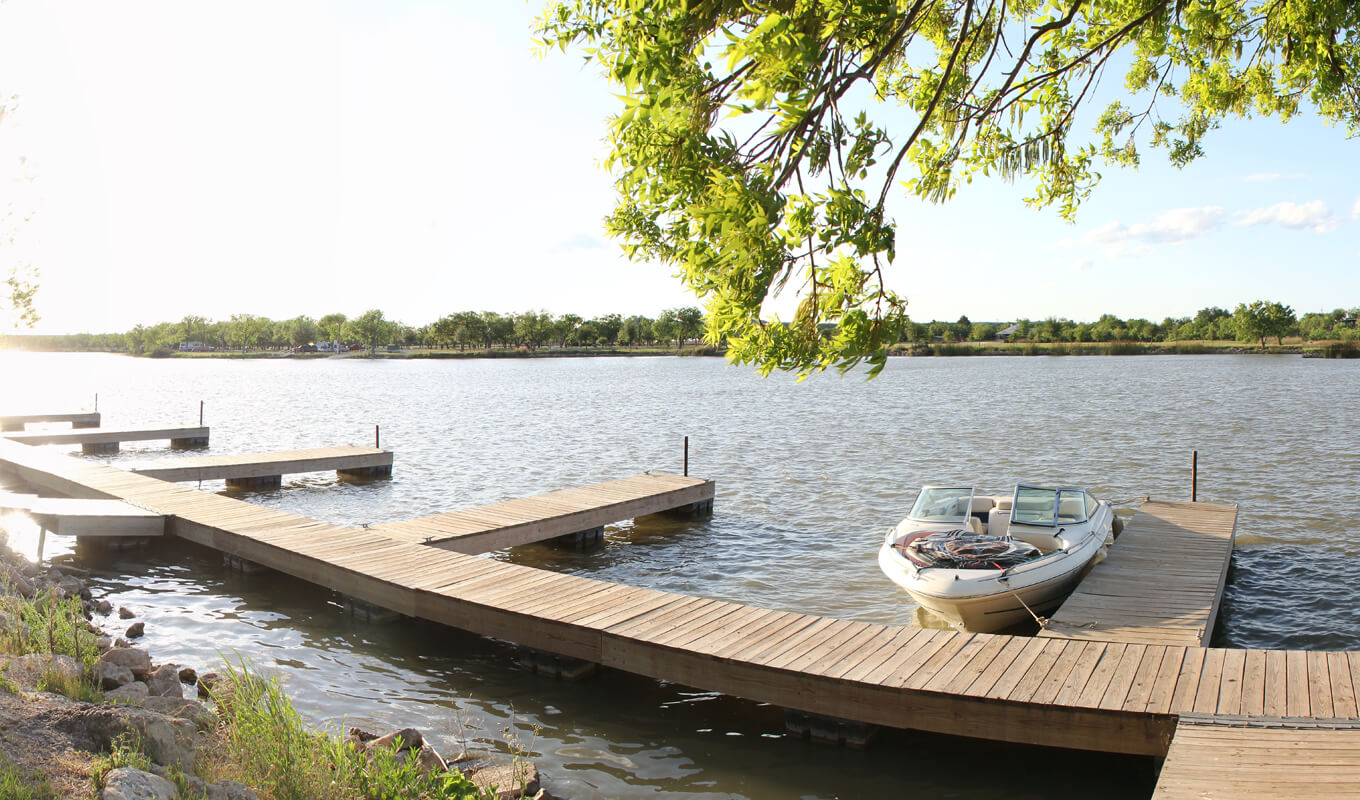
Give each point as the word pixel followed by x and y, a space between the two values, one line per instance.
pixel 307 157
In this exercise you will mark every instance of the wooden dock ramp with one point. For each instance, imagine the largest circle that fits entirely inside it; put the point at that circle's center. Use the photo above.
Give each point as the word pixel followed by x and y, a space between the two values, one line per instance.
pixel 78 419
pixel 1243 758
pixel 106 440
pixel 1161 582
pixel 565 512
pixel 264 470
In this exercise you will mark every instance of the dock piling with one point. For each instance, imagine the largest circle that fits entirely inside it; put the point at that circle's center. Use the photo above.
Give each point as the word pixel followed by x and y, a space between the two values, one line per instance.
pixel 200 413
pixel 1194 476
pixel 686 472
pixel 377 441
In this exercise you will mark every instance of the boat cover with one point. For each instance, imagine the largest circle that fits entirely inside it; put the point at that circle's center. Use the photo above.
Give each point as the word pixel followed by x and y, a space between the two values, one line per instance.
pixel 960 549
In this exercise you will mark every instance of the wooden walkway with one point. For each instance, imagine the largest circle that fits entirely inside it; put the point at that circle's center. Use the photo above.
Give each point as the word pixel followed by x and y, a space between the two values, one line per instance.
pixel 1161 582
pixel 1091 695
pixel 547 516
pixel 80 517
pixel 106 440
pixel 262 468
pixel 1218 758
pixel 78 419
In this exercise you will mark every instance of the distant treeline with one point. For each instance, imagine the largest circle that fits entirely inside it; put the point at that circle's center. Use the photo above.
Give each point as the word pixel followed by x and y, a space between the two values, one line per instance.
pixel 372 329
pixel 485 330
pixel 1250 322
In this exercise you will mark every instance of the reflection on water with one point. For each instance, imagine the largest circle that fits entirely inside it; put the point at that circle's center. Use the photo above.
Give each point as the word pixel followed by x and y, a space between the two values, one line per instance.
pixel 809 476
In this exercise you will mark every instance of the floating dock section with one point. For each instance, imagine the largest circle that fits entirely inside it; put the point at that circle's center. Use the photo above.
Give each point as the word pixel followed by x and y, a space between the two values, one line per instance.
pixel 78 419
pixel 266 470
pixel 106 440
pixel 1160 583
pixel 581 512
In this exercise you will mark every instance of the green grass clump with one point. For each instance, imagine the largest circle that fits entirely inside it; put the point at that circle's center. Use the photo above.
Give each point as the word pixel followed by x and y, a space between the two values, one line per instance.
pixel 50 625
pixel 266 745
pixel 17 785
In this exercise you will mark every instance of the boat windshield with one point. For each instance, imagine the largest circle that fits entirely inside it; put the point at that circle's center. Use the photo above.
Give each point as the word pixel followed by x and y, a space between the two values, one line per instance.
pixel 1049 507
pixel 942 504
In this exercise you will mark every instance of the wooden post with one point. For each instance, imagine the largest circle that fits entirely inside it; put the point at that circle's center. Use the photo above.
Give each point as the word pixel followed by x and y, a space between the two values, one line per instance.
pixel 686 456
pixel 1194 476
pixel 96 401
pixel 42 540
pixel 377 442
pixel 200 413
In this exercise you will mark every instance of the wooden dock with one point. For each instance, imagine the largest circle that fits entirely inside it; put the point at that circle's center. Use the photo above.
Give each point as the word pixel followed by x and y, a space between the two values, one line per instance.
pixel 1109 696
pixel 78 419
pixel 106 440
pixel 566 512
pixel 266 470
pixel 79 517
pixel 1161 582
pixel 1220 758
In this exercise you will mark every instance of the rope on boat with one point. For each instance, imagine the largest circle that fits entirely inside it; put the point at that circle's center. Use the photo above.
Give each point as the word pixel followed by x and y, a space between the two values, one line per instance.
pixel 1042 622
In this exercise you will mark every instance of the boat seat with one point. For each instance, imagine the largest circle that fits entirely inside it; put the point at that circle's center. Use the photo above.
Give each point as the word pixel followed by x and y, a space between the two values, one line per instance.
pixel 981 505
pixel 975 524
pixel 1071 511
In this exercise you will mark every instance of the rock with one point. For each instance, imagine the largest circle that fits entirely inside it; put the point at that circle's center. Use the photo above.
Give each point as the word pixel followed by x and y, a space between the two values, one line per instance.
pixel 121 642
pixel 103 643
pixel 30 670
pixel 21 585
pixel 135 630
pixel 129 693
pixel 168 741
pixel 103 607
pixel 430 761
pixel 111 675
pixel 409 738
pixel 235 791
pixel 507 781
pixel 183 708
pixel 134 658
pixel 206 682
pixel 126 783
pixel 70 587
pixel 125 613
pixel 164 681
pixel 188 675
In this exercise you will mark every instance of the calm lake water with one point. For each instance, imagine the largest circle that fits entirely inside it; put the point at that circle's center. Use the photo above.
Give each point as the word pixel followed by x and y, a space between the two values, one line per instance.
pixel 809 477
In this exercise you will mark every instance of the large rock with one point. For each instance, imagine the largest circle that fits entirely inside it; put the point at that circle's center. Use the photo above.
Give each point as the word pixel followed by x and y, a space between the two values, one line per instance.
pixel 404 739
pixel 16 582
pixel 134 692
pixel 166 740
pixel 126 783
pixel 125 613
pixel 135 659
pixel 507 781
pixel 135 630
pixel 188 675
pixel 164 681
pixel 184 708
pixel 111 675
pixel 104 607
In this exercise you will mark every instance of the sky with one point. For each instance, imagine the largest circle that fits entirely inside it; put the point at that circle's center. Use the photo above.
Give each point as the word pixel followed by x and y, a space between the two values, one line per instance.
pixel 165 158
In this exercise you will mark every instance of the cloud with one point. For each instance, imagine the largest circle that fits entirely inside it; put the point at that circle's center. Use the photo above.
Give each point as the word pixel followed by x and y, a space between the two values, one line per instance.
pixel 1261 177
pixel 1173 226
pixel 1355 210
pixel 1083 265
pixel 1314 216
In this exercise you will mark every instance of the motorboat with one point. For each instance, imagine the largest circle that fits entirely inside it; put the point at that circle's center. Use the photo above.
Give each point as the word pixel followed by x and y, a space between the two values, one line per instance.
pixel 986 563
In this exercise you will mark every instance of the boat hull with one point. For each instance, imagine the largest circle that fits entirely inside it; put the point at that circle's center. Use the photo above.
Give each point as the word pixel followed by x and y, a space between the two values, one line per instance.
pixel 989 613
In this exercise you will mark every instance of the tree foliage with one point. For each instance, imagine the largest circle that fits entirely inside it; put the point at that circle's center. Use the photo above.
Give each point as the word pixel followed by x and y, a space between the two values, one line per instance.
pixel 758 141
pixel 1262 318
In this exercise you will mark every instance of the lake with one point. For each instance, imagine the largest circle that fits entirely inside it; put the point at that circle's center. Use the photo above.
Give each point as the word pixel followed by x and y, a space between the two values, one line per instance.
pixel 809 477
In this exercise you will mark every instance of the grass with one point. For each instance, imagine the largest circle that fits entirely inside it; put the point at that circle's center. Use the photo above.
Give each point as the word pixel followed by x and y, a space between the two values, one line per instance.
pixel 18 785
pixel 51 625
pixel 265 744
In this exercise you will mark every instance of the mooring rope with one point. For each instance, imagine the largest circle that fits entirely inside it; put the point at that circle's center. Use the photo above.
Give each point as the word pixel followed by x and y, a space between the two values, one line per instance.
pixel 1041 621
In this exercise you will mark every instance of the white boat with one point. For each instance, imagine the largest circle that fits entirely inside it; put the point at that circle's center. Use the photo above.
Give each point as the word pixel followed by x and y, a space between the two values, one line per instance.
pixel 986 563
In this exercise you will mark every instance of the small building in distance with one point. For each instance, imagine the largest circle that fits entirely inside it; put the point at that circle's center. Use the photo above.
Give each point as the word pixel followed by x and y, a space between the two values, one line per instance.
pixel 193 347
pixel 1005 333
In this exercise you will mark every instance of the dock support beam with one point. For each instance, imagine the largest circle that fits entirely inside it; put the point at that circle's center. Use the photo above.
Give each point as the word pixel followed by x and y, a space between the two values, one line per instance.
pixel 581 538
pixel 550 665
pixel 85 423
pixel 243 566
pixel 257 482
pixel 189 443
pixel 703 508
pixel 365 473
pixel 829 730
pixel 99 448
pixel 365 611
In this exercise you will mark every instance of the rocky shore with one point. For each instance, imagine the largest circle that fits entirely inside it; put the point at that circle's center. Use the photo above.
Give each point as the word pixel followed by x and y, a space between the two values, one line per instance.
pixel 108 722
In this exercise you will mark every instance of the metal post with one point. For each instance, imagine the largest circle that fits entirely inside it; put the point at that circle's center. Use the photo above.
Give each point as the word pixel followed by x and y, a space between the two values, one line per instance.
pixel 200 413
pixel 686 456
pixel 96 401
pixel 376 440
pixel 1194 476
